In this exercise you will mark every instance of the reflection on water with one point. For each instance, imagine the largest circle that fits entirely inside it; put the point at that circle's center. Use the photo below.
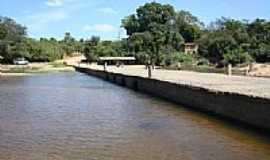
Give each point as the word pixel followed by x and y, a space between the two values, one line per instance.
pixel 71 116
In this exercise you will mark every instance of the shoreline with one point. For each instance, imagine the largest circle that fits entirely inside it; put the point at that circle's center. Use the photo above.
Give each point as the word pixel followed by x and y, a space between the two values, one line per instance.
pixel 14 74
pixel 35 68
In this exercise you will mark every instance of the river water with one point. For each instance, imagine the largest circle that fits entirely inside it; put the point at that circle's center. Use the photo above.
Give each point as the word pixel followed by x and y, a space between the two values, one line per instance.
pixel 71 116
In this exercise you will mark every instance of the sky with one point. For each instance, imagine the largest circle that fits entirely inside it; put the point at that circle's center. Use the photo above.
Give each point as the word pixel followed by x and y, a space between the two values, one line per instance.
pixel 84 18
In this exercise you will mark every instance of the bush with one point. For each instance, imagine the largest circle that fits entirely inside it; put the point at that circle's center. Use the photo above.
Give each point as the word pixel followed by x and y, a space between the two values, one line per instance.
pixel 177 57
pixel 203 62
pixel 262 53
pixel 142 57
pixel 184 58
pixel 237 56
pixel 90 56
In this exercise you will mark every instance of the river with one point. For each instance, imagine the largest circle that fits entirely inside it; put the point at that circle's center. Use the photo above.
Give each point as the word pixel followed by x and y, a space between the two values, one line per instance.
pixel 72 116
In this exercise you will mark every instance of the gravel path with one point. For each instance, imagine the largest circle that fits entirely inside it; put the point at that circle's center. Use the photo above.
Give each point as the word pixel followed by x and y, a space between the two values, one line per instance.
pixel 252 86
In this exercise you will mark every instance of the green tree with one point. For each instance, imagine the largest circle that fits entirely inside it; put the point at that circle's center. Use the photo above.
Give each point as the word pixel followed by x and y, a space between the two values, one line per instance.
pixel 188 25
pixel 158 30
pixel 214 44
pixel 68 44
pixel 261 52
pixel 3 31
pixel 259 32
pixel 149 29
pixel 237 56
pixel 11 34
pixel 90 48
pixel 225 40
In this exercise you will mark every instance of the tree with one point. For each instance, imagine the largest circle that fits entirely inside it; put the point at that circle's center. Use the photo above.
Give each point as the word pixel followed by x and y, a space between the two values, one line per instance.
pixel 11 34
pixel 68 44
pixel 43 50
pixel 261 52
pixel 237 56
pixel 259 32
pixel 3 32
pixel 214 44
pixel 68 38
pixel 90 48
pixel 95 40
pixel 226 40
pixel 148 29
pixel 15 32
pixel 188 25
pixel 158 30
pixel 156 34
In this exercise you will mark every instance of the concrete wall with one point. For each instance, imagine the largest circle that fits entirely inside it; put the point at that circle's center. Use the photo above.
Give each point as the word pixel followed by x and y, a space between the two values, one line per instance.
pixel 250 110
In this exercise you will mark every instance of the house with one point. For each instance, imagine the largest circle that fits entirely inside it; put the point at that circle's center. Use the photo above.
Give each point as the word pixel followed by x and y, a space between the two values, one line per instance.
pixel 191 48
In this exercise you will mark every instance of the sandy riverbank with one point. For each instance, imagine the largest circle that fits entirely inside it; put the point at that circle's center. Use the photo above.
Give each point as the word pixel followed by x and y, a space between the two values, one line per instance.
pixel 14 74
pixel 14 70
pixel 63 65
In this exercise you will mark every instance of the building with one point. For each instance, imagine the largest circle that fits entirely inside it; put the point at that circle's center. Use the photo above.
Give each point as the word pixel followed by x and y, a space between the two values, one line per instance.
pixel 191 48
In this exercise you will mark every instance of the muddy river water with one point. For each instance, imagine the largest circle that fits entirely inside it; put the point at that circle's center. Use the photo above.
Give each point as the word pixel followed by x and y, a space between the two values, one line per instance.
pixel 72 116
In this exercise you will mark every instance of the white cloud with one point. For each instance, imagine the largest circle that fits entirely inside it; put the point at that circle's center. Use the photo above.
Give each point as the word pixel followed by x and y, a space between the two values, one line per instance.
pixel 99 28
pixel 107 10
pixel 59 3
pixel 54 3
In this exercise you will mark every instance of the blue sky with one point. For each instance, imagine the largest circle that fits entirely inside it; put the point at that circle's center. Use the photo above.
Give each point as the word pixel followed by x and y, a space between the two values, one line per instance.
pixel 83 18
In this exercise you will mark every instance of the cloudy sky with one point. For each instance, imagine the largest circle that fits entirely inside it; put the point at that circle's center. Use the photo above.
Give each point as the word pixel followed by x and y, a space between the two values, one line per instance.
pixel 83 18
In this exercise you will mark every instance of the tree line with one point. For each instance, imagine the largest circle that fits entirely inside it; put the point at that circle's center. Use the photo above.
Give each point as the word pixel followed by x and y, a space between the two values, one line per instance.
pixel 156 34
pixel 159 32
pixel 15 43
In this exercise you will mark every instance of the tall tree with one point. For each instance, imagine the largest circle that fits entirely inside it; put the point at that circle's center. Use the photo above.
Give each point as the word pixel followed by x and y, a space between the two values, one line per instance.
pixel 148 28
pixel 188 25
pixel 3 32
pixel 259 32
pixel 226 41
pixel 11 34
pixel 68 44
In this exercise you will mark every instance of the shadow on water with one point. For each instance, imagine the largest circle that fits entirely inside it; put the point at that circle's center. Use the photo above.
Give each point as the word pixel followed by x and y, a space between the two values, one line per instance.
pixel 227 122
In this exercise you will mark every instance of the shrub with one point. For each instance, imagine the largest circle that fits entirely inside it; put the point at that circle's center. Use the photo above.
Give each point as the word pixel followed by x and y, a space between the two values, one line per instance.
pixel 203 62
pixel 184 58
pixel 262 53
pixel 237 56
pixel 178 57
